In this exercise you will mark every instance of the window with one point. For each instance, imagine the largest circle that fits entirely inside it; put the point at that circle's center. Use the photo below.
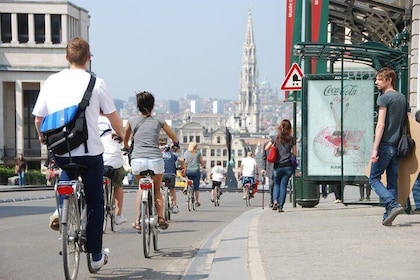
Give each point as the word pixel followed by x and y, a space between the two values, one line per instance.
pixel 191 138
pixel 39 28
pixel 218 139
pixel 6 28
pixel 23 35
pixel 197 139
pixel 204 152
pixel 239 163
pixel 56 29
pixel 212 152
pixel 218 152
pixel 224 163
pixel 225 152
pixel 233 152
pixel 212 163
pixel 239 153
pixel 185 139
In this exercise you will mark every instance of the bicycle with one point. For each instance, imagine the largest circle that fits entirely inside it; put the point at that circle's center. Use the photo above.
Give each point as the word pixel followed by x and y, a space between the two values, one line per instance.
pixel 148 218
pixel 217 192
pixel 109 202
pixel 168 202
pixel 248 193
pixel 73 217
pixel 190 195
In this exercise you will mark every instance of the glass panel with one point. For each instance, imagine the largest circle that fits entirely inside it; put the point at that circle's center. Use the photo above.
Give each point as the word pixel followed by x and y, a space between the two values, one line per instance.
pixel 56 29
pixel 23 35
pixel 39 29
pixel 6 28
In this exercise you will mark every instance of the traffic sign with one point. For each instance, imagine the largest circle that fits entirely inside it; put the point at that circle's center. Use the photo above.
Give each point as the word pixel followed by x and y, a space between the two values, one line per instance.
pixel 293 80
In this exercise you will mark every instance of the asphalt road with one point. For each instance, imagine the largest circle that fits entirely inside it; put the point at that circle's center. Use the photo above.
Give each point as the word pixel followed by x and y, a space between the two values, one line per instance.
pixel 30 249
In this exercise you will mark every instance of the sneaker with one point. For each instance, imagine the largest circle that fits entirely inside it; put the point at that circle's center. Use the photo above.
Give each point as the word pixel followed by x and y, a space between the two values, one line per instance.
pixel 281 210
pixel 120 220
pixel 337 201
pixel 97 265
pixel 54 221
pixel 175 209
pixel 392 214
pixel 197 204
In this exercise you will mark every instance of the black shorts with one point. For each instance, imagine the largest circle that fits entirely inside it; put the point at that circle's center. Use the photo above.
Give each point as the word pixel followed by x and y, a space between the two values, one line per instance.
pixel 215 183
pixel 169 179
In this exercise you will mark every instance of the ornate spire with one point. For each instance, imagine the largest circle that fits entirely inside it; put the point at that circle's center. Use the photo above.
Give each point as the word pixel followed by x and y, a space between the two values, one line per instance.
pixel 249 36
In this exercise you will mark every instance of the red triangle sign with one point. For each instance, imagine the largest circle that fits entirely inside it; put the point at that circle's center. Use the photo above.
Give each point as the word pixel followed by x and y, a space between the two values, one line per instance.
pixel 293 80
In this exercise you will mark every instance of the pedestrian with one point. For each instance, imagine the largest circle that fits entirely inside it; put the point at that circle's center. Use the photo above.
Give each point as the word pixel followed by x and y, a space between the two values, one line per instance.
pixel 192 160
pixel 130 177
pixel 267 171
pixel 64 89
pixel 146 155
pixel 217 175
pixel 392 112
pixel 113 157
pixel 249 172
pixel 21 168
pixel 170 166
pixel 338 191
pixel 362 189
pixel 283 170
pixel 416 186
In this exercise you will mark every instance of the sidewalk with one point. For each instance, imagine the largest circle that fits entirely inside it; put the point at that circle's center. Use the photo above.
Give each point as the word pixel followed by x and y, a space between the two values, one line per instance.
pixel 329 241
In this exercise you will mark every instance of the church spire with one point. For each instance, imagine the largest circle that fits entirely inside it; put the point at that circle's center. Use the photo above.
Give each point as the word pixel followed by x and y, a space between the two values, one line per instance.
pixel 249 104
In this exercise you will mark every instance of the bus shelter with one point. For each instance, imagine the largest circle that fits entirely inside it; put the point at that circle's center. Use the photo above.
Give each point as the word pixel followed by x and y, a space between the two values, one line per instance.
pixel 339 111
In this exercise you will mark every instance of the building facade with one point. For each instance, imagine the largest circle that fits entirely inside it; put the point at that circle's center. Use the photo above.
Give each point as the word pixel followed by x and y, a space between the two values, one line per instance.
pixel 33 40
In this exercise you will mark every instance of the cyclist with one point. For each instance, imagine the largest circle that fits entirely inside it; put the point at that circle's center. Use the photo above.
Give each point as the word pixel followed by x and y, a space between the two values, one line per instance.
pixel 169 160
pixel 62 90
pixel 192 160
pixel 113 157
pixel 249 170
pixel 146 153
pixel 217 175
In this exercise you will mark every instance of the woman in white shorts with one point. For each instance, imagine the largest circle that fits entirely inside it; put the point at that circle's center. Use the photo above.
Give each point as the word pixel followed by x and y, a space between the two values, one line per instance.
pixel 145 130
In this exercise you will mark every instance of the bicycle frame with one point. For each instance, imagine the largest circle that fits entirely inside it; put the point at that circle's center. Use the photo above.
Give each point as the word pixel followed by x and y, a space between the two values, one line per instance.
pixel 190 195
pixel 148 218
pixel 109 204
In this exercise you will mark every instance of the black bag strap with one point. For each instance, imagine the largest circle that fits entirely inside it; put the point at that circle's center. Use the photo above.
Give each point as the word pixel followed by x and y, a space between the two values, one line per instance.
pixel 85 100
pixel 88 93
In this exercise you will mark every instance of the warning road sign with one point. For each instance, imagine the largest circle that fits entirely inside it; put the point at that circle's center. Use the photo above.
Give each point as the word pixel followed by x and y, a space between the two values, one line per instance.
pixel 293 80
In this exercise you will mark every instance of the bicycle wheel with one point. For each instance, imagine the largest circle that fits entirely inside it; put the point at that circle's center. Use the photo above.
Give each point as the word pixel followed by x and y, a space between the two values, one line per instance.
pixel 193 198
pixel 70 228
pixel 112 207
pixel 190 198
pixel 216 196
pixel 166 202
pixel 155 232
pixel 145 224
pixel 247 197
pixel 106 205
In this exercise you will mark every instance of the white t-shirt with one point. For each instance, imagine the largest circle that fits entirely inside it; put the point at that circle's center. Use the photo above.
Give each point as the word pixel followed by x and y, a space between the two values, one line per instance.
pixel 218 173
pixel 112 150
pixel 248 167
pixel 66 88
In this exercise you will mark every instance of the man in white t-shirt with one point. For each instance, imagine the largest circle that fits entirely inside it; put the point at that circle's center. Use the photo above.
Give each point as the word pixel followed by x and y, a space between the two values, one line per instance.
pixel 249 170
pixel 113 157
pixel 217 175
pixel 62 90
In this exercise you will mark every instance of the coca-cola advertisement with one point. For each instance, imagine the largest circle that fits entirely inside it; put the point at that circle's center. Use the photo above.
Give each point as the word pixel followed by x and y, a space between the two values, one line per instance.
pixel 339 121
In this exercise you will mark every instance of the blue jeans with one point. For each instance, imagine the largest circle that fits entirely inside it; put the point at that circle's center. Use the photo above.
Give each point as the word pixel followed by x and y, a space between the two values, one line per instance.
pixel 21 175
pixel 194 175
pixel 94 191
pixel 281 176
pixel 416 192
pixel 388 162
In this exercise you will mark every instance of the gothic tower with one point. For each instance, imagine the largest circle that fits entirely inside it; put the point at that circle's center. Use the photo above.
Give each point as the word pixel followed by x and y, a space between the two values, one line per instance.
pixel 249 104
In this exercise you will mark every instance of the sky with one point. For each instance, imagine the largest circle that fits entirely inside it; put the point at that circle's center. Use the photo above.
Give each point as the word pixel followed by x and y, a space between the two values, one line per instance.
pixel 173 48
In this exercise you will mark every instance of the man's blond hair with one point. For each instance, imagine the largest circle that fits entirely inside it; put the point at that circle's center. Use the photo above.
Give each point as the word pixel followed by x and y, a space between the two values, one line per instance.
pixel 78 51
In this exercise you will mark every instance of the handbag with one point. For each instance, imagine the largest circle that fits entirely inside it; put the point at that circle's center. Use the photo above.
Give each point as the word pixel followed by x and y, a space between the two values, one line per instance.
pixel 294 162
pixel 406 145
pixel 273 153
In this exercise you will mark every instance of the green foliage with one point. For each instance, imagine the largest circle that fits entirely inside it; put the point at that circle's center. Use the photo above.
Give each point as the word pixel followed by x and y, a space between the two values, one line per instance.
pixel 33 177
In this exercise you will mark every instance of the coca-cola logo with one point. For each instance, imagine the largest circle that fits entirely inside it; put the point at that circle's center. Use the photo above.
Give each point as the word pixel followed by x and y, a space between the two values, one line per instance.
pixel 347 90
